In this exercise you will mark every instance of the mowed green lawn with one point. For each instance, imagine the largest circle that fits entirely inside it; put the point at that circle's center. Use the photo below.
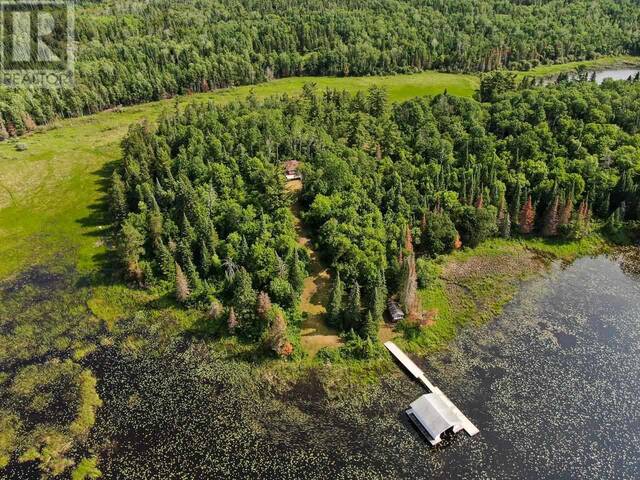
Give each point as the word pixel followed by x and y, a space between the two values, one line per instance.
pixel 50 194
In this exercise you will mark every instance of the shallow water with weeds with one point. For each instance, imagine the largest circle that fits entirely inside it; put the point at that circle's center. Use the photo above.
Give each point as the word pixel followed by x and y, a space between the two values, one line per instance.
pixel 553 383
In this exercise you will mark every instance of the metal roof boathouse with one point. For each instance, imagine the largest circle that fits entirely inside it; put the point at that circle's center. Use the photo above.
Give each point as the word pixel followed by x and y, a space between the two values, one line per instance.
pixel 432 417
pixel 433 413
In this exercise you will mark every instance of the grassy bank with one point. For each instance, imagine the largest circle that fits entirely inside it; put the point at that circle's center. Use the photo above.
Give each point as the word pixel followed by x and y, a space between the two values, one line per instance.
pixel 472 286
pixel 603 63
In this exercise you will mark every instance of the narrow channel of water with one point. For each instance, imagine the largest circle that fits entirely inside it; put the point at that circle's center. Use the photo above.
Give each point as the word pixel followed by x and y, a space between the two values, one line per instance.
pixel 602 75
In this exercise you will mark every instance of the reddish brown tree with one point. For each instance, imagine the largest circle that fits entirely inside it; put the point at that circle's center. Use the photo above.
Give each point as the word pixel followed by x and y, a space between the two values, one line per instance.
pixel 480 201
pixel 566 212
pixel 215 310
pixel 457 244
pixel 527 217
pixel 409 285
pixel 182 285
pixel 584 212
pixel 277 338
pixel 408 240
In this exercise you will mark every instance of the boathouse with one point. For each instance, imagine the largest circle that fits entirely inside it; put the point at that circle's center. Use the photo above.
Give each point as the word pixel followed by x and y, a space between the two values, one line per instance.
pixel 432 417
pixel 432 413
pixel 395 312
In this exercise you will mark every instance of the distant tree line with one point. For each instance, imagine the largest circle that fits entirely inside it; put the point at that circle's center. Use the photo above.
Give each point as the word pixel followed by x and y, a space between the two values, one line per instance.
pixel 131 52
pixel 201 208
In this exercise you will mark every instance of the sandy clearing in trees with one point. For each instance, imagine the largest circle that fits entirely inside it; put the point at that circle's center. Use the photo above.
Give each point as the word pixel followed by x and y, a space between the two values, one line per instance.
pixel 315 295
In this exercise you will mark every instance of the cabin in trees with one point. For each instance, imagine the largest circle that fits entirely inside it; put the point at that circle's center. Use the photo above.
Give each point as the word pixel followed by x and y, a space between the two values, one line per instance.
pixel 292 170
pixel 395 312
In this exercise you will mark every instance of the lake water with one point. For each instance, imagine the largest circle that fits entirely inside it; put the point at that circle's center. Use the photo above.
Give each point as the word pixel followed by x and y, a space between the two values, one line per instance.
pixel 554 382
pixel 601 75
pixel 553 385
pixel 616 74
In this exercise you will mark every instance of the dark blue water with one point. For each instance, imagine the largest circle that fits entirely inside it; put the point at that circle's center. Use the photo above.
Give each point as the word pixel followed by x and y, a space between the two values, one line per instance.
pixel 554 383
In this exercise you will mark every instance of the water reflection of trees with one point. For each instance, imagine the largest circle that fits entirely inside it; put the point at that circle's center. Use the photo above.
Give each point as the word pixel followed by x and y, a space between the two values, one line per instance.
pixel 630 261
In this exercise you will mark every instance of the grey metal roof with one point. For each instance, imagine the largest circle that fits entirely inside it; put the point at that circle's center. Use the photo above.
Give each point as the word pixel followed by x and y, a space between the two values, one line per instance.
pixel 434 415
pixel 395 310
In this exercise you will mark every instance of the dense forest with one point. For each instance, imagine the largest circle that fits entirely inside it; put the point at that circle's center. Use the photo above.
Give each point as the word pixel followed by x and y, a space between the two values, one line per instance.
pixel 202 210
pixel 130 52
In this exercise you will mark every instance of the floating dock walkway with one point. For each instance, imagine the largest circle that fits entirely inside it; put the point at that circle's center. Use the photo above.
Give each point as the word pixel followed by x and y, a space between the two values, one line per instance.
pixel 433 413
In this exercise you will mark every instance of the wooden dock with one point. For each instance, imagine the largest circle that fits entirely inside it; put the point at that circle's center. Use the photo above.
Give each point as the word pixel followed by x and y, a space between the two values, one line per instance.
pixel 458 421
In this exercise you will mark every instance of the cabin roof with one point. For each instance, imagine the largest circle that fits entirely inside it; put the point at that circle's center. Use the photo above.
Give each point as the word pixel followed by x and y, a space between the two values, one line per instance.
pixel 395 310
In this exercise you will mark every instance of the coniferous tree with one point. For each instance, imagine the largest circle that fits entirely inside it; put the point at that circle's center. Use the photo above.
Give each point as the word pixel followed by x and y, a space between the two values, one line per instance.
pixel 550 228
pixel 335 308
pixel 409 285
pixel 215 310
pixel 118 198
pixel 377 298
pixel 296 272
pixel 370 327
pixel 352 315
pixel 277 337
pixel 130 249
pixel 504 225
pixel 517 205
pixel 566 212
pixel 232 321
pixel 263 306
pixel 244 301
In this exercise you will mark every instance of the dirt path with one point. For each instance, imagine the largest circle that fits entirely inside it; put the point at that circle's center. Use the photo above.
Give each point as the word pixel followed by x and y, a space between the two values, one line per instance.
pixel 315 295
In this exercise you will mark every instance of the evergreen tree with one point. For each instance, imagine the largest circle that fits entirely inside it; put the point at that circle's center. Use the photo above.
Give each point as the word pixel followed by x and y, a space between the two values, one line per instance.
pixel 370 327
pixel 352 316
pixel 130 249
pixel 296 272
pixel 517 205
pixel 377 298
pixel 335 308
pixel 244 301
pixel 505 225
pixel 118 198
pixel 550 228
